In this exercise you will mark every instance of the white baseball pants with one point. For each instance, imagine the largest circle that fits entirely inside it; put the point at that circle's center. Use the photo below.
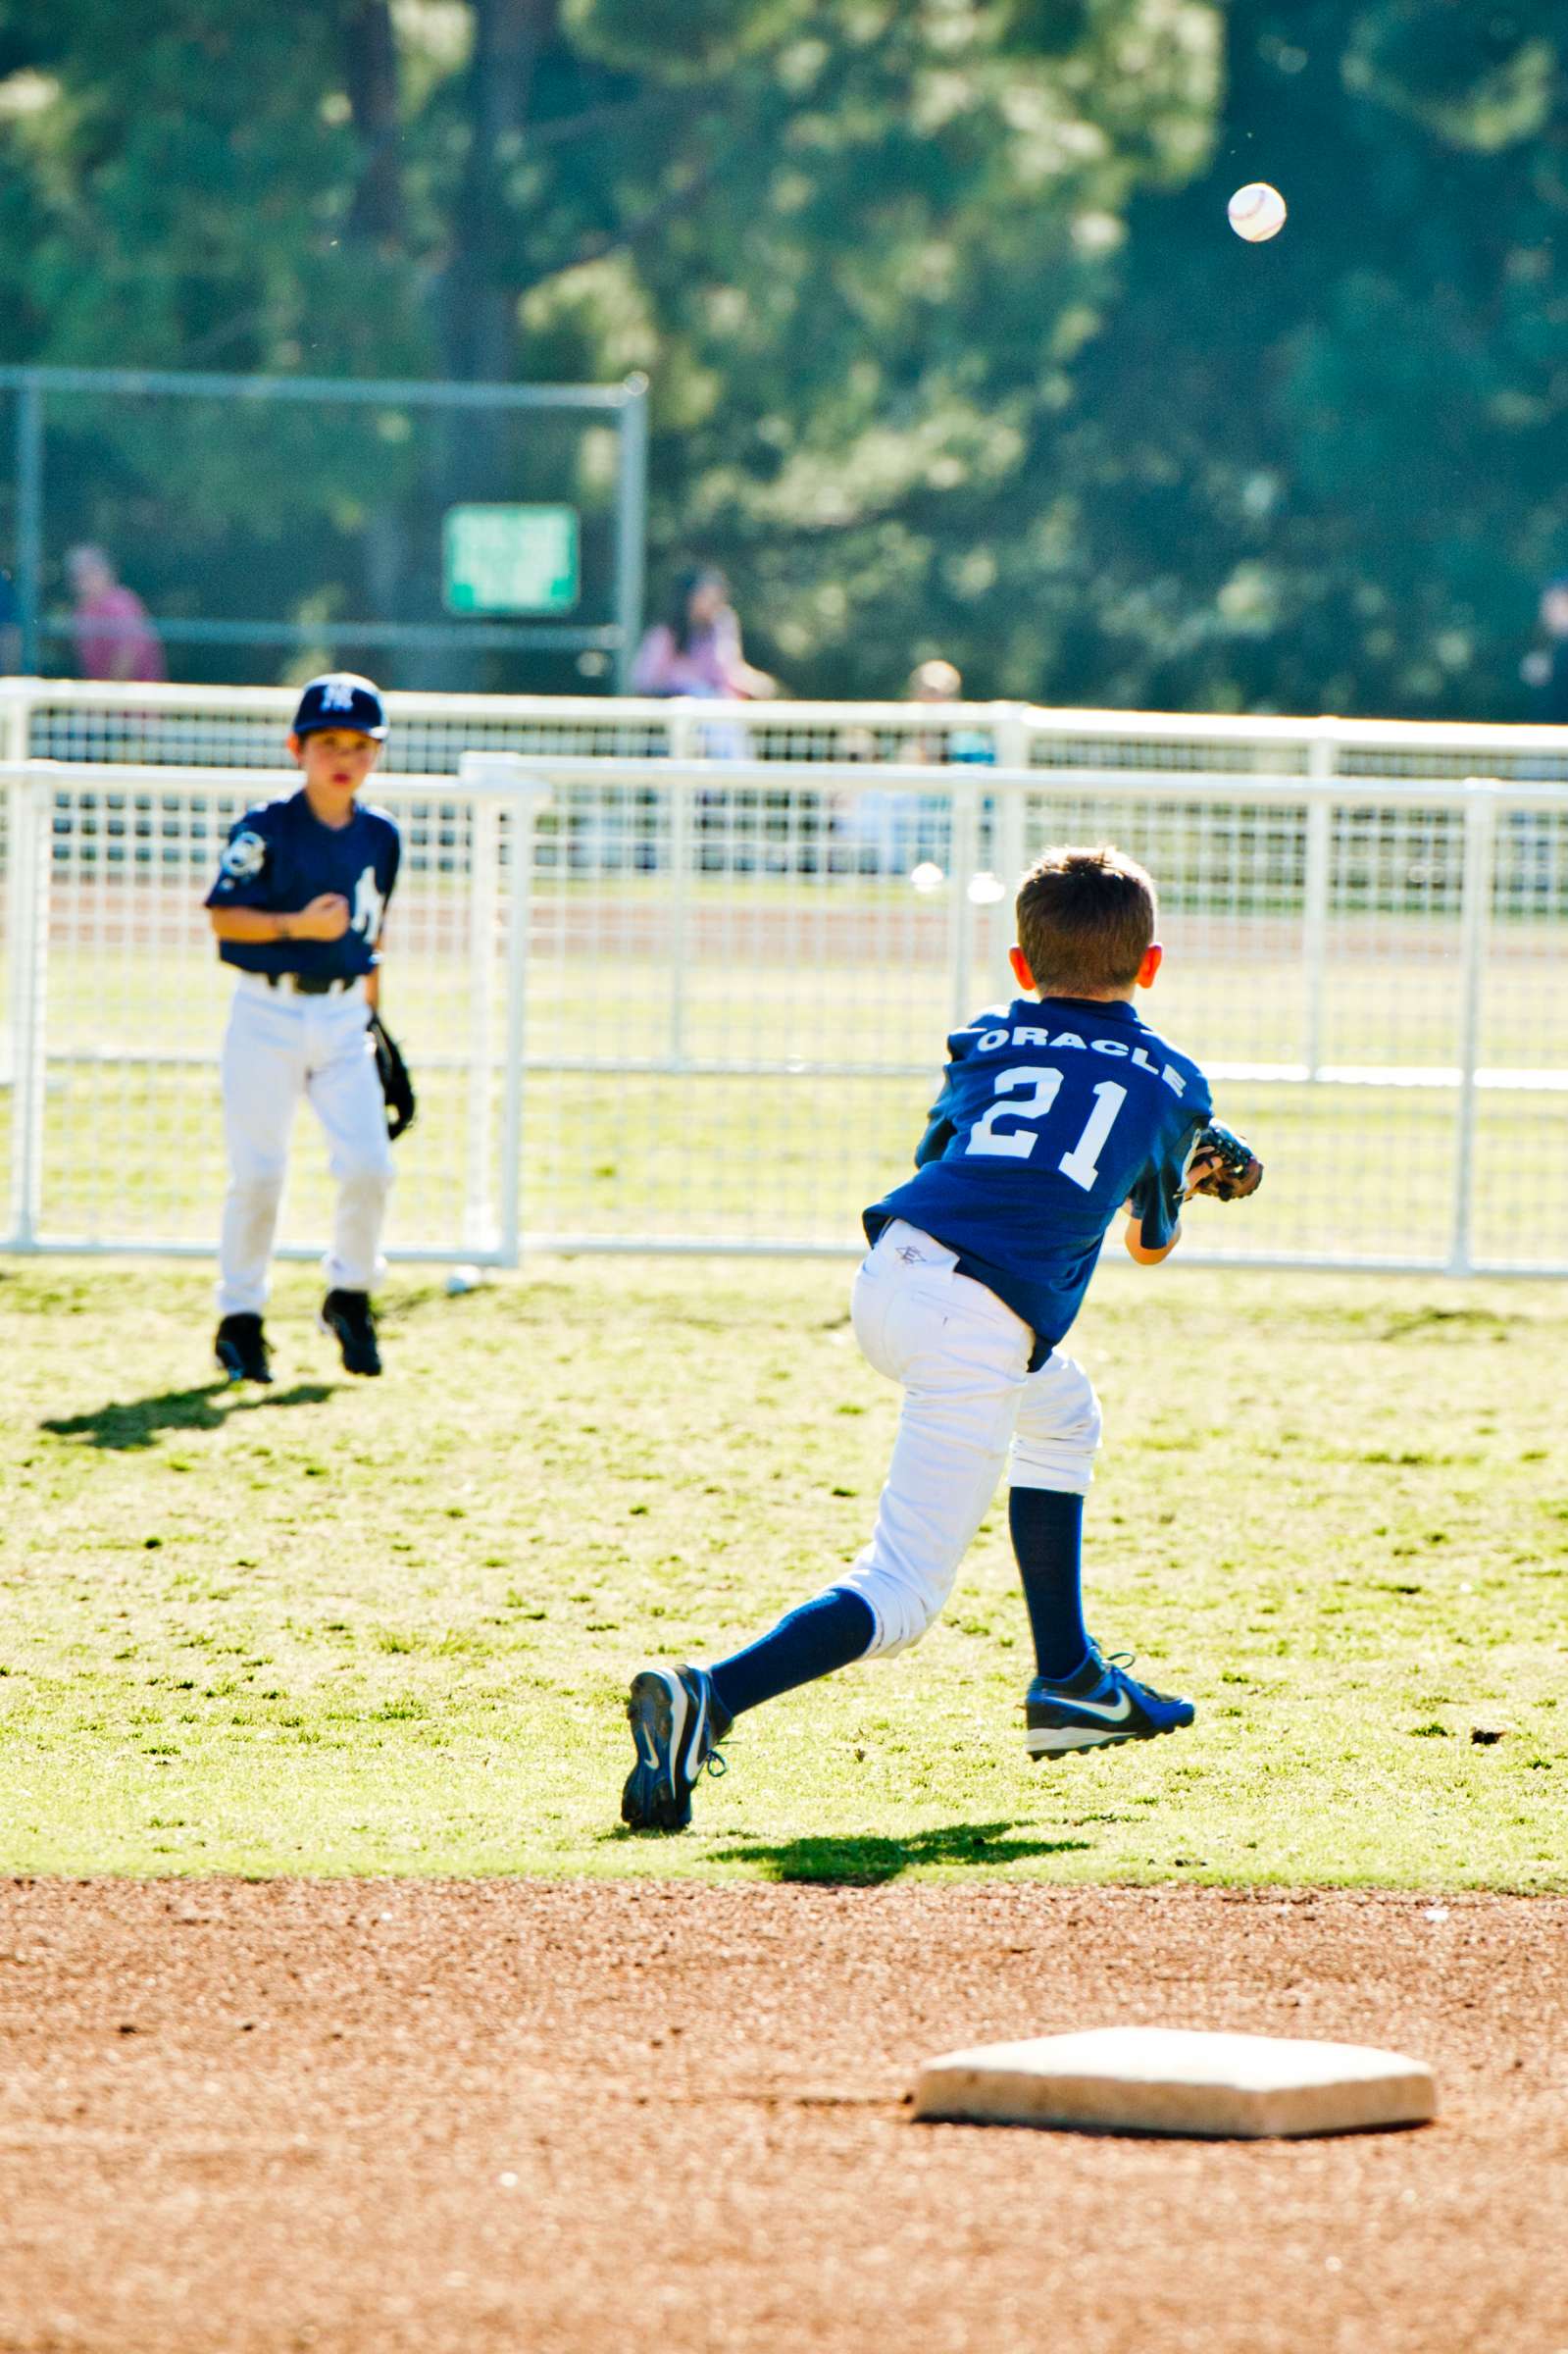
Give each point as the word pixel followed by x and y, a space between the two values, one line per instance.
pixel 970 1404
pixel 279 1048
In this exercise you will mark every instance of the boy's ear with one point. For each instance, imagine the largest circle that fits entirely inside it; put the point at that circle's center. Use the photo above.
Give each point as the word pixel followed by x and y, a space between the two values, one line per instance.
pixel 296 746
pixel 1020 964
pixel 1153 958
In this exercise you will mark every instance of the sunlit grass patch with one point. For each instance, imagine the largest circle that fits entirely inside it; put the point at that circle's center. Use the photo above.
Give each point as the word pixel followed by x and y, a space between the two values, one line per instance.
pixel 347 1627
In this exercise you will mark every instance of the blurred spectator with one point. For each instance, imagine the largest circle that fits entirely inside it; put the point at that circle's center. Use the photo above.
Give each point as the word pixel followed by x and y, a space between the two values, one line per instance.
pixel 1546 667
pixel 10 628
pixel 938 681
pixel 697 648
pixel 892 833
pixel 115 640
pixel 934 682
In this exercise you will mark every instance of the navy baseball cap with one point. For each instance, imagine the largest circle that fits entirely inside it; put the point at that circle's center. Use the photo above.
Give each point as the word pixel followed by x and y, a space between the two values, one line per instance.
pixel 341 698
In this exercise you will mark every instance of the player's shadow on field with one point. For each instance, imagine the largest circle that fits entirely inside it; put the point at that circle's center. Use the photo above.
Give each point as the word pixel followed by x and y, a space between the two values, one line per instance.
pixel 866 1861
pixel 142 1421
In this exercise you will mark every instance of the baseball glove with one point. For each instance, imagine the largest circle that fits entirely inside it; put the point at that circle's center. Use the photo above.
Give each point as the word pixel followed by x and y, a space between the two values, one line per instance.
pixel 396 1085
pixel 1223 1164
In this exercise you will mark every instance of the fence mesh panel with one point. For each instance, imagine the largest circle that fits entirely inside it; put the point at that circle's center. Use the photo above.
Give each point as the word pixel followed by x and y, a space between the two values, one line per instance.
pixel 134 1002
pixel 742 957
pixel 1522 1135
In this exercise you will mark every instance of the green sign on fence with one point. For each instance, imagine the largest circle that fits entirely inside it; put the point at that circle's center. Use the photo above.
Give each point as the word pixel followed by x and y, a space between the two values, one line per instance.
pixel 510 559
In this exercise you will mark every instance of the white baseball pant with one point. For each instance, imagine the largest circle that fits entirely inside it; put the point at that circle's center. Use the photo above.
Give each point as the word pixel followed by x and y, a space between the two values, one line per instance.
pixel 277 1048
pixel 970 1405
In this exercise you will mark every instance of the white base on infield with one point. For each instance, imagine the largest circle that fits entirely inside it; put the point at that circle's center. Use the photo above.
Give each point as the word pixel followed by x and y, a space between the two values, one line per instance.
pixel 1175 2081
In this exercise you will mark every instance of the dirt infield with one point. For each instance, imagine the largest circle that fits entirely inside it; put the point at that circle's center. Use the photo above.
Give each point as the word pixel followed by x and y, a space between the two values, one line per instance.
pixel 578 2117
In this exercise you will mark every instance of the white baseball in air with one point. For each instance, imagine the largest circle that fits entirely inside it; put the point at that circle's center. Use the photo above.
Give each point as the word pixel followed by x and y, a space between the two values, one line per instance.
pixel 1256 212
pixel 463 1279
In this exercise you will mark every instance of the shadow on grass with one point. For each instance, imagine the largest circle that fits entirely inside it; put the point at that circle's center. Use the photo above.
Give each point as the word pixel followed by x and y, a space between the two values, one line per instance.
pixel 866 1861
pixel 141 1422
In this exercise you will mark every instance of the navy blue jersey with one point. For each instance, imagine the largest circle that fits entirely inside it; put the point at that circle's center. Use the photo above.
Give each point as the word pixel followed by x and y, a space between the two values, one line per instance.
pixel 1051 1116
pixel 280 856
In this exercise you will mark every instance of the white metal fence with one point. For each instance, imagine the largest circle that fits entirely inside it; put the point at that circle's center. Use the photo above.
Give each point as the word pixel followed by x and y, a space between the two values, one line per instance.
pixel 713 1017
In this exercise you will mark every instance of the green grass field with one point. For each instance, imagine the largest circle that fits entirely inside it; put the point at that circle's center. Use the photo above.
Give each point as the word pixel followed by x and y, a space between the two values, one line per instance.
pixel 385 1627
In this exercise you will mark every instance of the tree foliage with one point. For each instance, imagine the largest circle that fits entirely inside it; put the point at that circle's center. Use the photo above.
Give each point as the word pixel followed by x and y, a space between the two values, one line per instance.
pixel 951 348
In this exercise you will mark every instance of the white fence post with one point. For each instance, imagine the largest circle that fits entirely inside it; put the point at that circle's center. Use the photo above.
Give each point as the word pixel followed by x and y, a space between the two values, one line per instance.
pixel 1475 925
pixel 1322 762
pixel 683 746
pixel 1012 848
pixel 15 705
pixel 27 925
pixel 963 861
pixel 683 803
pixel 483 908
pixel 525 796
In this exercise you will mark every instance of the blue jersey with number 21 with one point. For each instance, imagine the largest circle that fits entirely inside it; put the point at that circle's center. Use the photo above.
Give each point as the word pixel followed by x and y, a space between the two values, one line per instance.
pixel 1051 1116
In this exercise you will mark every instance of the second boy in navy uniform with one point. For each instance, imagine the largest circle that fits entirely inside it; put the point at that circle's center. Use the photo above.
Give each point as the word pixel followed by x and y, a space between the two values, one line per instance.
pixel 297 910
pixel 1053 1115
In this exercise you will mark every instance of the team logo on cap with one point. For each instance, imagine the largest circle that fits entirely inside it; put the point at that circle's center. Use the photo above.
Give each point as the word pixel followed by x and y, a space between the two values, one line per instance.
pixel 341 697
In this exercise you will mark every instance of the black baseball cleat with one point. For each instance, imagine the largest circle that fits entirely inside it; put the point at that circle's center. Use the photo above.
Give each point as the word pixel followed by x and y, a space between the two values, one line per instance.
pixel 677 1724
pixel 347 1316
pixel 1096 1706
pixel 240 1348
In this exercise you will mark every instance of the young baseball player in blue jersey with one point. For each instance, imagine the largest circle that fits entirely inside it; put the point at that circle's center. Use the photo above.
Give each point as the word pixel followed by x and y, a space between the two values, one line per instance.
pixel 1055 1111
pixel 297 908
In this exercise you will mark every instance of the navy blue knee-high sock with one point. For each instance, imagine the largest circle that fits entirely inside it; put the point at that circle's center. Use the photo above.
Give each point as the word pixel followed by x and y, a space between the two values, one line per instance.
pixel 813 1641
pixel 1047 1528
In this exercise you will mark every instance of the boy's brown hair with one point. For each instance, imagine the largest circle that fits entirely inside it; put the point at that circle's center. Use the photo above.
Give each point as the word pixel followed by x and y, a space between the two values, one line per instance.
pixel 1085 920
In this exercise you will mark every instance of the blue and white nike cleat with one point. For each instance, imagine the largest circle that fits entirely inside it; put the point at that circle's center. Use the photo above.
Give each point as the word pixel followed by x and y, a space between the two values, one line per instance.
pixel 1100 1704
pixel 677 1723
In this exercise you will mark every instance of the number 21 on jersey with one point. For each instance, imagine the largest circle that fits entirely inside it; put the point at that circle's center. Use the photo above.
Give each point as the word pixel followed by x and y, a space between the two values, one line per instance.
pixel 1082 1163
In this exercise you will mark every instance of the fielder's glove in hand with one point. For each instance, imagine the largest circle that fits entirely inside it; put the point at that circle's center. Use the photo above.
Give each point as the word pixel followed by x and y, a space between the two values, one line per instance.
pixel 396 1085
pixel 1223 1164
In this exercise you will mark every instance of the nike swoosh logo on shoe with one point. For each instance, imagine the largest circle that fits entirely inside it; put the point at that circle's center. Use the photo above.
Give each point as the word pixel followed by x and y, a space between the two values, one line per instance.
pixel 678 1707
pixel 1114 1711
pixel 691 1756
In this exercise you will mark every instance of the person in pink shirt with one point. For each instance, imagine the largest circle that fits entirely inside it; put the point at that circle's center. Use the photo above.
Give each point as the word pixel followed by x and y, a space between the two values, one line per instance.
pixel 115 640
pixel 696 650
